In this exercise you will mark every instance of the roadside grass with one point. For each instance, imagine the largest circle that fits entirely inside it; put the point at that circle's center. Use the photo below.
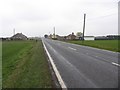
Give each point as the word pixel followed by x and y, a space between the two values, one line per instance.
pixel 25 65
pixel 111 45
pixel 0 64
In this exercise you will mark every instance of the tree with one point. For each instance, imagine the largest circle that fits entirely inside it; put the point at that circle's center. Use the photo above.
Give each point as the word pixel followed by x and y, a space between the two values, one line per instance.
pixel 46 36
pixel 79 34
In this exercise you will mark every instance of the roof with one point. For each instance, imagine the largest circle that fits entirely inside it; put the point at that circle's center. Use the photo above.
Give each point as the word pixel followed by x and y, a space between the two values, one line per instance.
pixel 19 36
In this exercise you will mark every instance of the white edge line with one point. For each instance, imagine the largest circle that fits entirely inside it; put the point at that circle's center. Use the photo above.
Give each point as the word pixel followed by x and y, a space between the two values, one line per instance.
pixel 115 64
pixel 60 80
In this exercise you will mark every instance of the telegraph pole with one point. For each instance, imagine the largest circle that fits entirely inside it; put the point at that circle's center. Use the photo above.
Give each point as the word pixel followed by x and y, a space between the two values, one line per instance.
pixel 54 32
pixel 84 26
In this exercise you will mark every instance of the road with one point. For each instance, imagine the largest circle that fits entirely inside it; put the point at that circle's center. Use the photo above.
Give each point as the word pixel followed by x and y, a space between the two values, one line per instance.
pixel 82 66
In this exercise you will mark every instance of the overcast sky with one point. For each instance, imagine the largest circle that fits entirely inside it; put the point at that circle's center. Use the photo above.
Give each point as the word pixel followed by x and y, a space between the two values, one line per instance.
pixel 38 17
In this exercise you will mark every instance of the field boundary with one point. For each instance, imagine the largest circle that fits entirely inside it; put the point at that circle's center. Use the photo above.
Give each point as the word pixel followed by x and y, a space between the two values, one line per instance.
pixel 60 80
pixel 95 48
pixel 109 46
pixel 29 68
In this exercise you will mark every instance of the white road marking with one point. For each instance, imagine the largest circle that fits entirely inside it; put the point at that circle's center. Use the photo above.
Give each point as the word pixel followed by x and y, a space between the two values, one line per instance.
pixel 72 48
pixel 55 69
pixel 115 64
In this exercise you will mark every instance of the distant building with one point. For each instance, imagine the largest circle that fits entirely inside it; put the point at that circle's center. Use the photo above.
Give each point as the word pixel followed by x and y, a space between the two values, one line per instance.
pixel 113 37
pixel 19 36
pixel 60 37
pixel 108 37
pixel 50 36
pixel 89 38
pixel 78 36
pixel 101 38
pixel 54 36
pixel 7 38
pixel 71 37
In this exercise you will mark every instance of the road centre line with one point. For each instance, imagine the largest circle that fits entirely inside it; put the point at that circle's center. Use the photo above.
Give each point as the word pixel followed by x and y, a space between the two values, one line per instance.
pixel 115 64
pixel 72 48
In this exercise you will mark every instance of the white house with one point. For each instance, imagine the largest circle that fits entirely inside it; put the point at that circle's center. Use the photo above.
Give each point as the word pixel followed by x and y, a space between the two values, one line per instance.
pixel 89 38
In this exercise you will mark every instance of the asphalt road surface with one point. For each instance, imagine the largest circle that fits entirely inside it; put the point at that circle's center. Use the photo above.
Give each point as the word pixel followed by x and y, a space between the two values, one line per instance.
pixel 84 67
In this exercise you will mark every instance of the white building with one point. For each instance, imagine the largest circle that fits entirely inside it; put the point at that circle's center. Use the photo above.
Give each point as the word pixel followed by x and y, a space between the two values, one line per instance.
pixel 89 38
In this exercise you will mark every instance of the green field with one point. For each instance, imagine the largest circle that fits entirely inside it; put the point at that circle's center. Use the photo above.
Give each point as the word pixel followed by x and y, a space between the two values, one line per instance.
pixel 24 65
pixel 111 45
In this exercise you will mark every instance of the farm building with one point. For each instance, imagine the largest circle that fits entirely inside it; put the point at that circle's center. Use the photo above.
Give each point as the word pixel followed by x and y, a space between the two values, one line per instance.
pixel 89 38
pixel 19 36
pixel 60 37
pixel 71 37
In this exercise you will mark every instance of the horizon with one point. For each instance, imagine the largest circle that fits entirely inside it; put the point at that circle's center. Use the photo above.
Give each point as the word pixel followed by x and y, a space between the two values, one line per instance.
pixel 36 18
pixel 59 35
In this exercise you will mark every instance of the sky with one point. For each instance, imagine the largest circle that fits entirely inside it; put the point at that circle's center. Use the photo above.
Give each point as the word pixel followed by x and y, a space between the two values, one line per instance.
pixel 36 18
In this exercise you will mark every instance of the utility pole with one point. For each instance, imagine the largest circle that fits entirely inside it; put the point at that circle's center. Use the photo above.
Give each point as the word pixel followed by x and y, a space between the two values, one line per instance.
pixel 54 32
pixel 84 27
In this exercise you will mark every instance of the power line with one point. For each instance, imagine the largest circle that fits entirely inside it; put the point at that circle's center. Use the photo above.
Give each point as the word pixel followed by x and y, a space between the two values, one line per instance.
pixel 108 10
pixel 101 17
pixel 96 18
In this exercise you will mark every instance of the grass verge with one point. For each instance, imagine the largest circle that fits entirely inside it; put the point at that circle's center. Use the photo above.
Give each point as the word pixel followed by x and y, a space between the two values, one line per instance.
pixel 0 64
pixel 25 65
pixel 111 45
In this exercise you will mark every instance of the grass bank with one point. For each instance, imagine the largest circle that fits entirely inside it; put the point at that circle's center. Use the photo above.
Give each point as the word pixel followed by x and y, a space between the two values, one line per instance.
pixel 0 64
pixel 25 65
pixel 111 45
